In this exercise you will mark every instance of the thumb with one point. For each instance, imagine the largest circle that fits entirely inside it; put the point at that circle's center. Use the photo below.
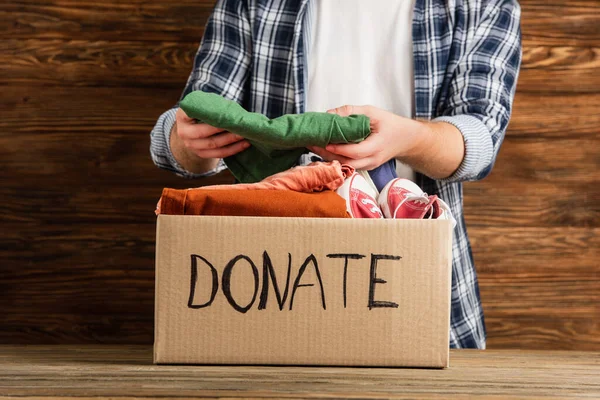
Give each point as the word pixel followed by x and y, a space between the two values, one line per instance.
pixel 347 110
pixel 182 116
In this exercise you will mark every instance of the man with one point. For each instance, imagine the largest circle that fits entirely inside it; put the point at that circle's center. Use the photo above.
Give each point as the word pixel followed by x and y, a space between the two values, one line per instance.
pixel 440 76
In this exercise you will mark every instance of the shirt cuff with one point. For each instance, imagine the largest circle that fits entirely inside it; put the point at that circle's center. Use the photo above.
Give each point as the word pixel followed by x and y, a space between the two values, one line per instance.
pixel 479 149
pixel 168 120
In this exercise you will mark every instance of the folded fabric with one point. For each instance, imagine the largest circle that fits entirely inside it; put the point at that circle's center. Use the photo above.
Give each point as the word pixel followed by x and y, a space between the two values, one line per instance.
pixel 258 203
pixel 276 144
pixel 315 177
pixel 383 174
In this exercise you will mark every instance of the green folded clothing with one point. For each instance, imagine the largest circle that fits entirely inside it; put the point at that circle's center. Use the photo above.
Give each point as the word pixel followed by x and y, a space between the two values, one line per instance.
pixel 276 144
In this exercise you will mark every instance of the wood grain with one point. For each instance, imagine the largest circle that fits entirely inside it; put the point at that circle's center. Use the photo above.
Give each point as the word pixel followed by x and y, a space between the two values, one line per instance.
pixel 537 182
pixel 132 63
pixel 528 251
pixel 97 63
pixel 564 116
pixel 121 372
pixel 527 332
pixel 63 109
pixel 560 22
pixel 153 20
pixel 560 69
pixel 82 85
pixel 549 22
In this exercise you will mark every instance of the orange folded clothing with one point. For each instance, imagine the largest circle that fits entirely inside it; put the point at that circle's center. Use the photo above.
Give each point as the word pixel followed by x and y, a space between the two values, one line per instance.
pixel 258 203
pixel 315 177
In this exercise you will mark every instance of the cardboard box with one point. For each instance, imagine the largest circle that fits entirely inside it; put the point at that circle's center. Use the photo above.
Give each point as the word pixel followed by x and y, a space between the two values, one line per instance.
pixel 307 291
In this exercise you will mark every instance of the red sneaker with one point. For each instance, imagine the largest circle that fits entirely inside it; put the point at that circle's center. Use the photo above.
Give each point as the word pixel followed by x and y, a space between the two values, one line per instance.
pixel 441 210
pixel 360 197
pixel 402 198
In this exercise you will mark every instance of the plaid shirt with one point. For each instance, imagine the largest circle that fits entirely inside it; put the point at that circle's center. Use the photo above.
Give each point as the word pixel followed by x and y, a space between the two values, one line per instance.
pixel 466 61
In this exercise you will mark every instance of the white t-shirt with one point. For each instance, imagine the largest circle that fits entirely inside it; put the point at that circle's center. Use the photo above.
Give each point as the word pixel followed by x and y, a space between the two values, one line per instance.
pixel 361 54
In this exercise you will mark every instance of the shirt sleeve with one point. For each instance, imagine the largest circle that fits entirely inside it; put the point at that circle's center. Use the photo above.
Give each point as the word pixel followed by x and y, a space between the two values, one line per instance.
pixel 482 89
pixel 221 66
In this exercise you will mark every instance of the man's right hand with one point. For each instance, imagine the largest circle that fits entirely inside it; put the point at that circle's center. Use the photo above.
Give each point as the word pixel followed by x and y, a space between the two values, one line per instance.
pixel 198 147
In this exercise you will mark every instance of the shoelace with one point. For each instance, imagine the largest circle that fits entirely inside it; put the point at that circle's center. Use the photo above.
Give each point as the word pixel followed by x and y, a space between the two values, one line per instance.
pixel 374 209
pixel 446 208
pixel 423 199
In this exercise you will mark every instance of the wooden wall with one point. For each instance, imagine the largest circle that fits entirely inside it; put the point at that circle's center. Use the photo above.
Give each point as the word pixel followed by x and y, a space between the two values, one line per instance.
pixel 83 82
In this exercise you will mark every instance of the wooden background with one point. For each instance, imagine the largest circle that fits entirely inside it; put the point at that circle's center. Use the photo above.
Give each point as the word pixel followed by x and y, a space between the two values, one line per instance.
pixel 83 82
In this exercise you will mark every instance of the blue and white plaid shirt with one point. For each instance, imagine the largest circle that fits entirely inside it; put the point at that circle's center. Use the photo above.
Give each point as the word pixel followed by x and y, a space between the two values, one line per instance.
pixel 466 53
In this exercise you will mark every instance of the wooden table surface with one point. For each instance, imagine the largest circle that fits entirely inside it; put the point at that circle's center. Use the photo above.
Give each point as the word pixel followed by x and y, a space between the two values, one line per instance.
pixel 120 372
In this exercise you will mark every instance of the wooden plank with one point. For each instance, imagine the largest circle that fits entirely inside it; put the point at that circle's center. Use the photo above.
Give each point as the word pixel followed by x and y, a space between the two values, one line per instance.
pixel 93 326
pixel 547 253
pixel 545 69
pixel 556 333
pixel 551 206
pixel 541 296
pixel 101 372
pixel 546 116
pixel 93 110
pixel 561 22
pixel 552 22
pixel 536 182
pixel 119 64
pixel 558 69
pixel 562 161
pixel 146 20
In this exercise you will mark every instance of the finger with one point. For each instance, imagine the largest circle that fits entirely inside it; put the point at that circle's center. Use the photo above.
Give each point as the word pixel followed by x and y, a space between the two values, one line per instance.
pixel 347 110
pixel 343 111
pixel 192 131
pixel 181 116
pixel 183 119
pixel 214 141
pixel 366 164
pixel 225 151
pixel 353 150
pixel 328 155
